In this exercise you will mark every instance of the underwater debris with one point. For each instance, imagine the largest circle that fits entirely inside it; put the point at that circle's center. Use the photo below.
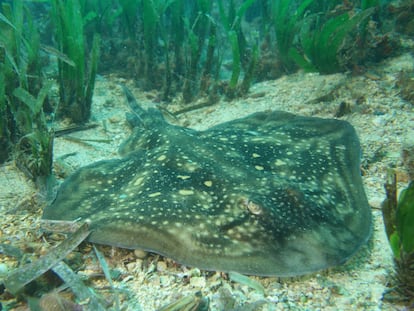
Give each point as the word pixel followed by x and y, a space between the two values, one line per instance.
pixel 55 302
pixel 194 302
pixel 407 154
pixel 245 280
pixel 19 277
pixel 405 82
pixel 82 292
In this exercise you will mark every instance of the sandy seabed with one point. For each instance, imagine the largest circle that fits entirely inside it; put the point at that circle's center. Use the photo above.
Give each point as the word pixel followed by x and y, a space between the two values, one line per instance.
pixel 383 121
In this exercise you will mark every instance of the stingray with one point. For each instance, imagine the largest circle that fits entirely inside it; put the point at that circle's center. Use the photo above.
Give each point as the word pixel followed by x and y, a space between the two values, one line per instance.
pixel 272 194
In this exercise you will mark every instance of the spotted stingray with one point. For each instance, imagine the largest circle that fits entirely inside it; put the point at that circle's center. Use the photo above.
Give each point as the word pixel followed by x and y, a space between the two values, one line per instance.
pixel 269 194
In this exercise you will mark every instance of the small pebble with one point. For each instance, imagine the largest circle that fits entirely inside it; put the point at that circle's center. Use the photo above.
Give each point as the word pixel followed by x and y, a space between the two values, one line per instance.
pixel 376 202
pixel 198 281
pixel 130 266
pixel 4 270
pixel 161 266
pixel 141 254
pixel 195 272
pixel 165 280
pixel 114 119
pixel 380 120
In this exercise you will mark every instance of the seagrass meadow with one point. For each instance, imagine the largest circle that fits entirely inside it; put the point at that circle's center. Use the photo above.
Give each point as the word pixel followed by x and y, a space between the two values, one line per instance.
pixel 206 155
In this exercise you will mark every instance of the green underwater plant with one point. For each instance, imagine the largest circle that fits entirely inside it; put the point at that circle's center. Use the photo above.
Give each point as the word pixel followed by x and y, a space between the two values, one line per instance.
pixel 321 44
pixel 231 22
pixel 286 26
pixel 365 4
pixel 398 217
pixel 34 150
pixel 23 128
pixel 128 17
pixel 150 17
pixel 169 43
pixel 4 131
pixel 315 40
pixel 76 79
pixel 200 46
pixel 179 46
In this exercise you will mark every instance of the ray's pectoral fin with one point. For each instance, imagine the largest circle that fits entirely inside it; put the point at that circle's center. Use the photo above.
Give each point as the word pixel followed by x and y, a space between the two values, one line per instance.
pixel 268 194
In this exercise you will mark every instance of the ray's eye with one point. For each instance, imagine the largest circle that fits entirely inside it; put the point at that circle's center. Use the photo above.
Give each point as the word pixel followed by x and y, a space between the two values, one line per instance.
pixel 254 208
pixel 251 206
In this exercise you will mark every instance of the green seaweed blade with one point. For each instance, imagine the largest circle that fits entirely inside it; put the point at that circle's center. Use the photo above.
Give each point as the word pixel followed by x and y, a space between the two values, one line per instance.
pixel 405 218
